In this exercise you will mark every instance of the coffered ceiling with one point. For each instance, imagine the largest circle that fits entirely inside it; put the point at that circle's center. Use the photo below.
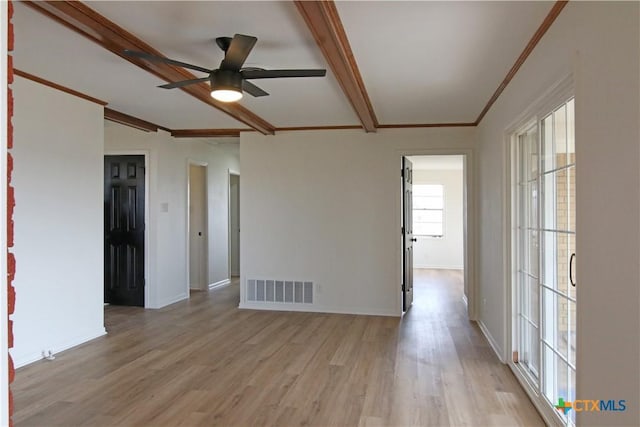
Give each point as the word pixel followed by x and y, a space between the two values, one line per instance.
pixel 420 63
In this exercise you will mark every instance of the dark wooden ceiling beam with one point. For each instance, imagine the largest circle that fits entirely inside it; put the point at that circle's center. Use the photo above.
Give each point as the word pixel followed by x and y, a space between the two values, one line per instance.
pixel 89 23
pixel 426 125
pixel 57 86
pixel 134 122
pixel 324 23
pixel 207 133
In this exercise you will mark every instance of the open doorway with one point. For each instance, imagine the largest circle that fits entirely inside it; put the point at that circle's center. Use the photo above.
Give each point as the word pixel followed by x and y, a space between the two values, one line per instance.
pixel 434 233
pixel 234 224
pixel 198 227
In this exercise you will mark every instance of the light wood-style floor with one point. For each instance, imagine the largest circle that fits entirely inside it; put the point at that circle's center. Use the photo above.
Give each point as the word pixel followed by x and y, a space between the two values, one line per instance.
pixel 204 362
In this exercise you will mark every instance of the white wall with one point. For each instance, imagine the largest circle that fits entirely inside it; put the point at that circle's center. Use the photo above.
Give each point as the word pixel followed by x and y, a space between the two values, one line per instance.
pixel 598 43
pixel 58 181
pixel 445 252
pixel 168 165
pixel 325 206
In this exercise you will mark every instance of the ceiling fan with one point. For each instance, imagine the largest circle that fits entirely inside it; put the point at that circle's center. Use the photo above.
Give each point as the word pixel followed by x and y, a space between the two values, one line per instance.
pixel 231 79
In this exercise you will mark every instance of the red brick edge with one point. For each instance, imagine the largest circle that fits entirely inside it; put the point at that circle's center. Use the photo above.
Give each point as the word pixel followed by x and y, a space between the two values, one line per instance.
pixel 11 261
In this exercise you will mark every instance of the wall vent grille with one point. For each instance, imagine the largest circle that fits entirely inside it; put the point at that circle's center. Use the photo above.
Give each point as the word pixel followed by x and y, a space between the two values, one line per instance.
pixel 280 291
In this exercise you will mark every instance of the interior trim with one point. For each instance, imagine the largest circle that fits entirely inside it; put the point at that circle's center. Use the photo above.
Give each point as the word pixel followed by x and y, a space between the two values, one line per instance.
pixel 425 125
pixel 82 19
pixel 207 133
pixel 324 23
pixel 542 29
pixel 57 86
pixel 338 127
pixel 134 122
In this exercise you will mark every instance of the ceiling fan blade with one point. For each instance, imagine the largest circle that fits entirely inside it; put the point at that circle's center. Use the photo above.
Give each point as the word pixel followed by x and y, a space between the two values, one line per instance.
pixel 252 89
pixel 237 52
pixel 154 58
pixel 272 74
pixel 183 83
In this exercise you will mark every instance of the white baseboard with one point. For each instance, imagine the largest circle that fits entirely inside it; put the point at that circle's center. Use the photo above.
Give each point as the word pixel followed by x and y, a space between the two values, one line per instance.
pixel 439 267
pixel 492 342
pixel 26 359
pixel 170 301
pixel 220 284
pixel 317 309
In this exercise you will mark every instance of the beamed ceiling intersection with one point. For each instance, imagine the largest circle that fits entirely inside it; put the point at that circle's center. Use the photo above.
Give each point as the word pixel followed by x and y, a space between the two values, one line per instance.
pixel 324 24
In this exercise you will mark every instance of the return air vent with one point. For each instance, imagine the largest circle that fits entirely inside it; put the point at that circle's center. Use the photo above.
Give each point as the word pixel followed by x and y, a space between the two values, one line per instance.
pixel 280 291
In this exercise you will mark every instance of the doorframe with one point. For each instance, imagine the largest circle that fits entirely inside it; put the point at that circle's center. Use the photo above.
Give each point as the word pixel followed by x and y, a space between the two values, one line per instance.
pixel 469 222
pixel 147 172
pixel 229 173
pixel 194 162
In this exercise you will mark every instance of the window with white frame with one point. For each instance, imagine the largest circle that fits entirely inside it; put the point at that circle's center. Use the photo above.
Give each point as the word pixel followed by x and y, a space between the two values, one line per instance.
pixel 428 210
pixel 544 294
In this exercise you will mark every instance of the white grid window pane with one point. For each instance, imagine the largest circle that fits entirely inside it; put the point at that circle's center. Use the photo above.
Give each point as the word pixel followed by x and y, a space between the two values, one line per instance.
pixel 428 190
pixel 545 212
pixel 427 202
pixel 427 215
pixel 427 229
pixel 428 205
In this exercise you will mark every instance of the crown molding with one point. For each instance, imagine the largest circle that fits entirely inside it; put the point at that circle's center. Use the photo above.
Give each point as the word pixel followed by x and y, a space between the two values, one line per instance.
pixel 533 42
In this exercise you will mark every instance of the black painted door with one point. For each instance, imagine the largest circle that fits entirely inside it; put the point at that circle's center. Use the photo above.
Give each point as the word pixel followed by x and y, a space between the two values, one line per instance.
pixel 124 230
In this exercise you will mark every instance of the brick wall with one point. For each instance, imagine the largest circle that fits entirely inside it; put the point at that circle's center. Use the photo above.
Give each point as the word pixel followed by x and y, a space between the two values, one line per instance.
pixel 11 262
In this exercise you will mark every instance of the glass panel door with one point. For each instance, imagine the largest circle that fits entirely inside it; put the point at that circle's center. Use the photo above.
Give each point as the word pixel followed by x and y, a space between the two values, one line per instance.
pixel 527 293
pixel 544 288
pixel 557 179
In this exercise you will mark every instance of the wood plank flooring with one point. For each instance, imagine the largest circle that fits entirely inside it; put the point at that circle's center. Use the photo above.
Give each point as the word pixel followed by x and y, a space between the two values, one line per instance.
pixel 204 362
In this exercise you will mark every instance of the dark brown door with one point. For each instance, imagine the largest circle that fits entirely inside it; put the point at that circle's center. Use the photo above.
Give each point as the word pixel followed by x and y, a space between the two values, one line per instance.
pixel 407 234
pixel 124 230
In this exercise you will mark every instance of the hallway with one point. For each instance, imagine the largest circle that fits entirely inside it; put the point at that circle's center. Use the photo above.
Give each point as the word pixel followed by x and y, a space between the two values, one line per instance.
pixel 204 362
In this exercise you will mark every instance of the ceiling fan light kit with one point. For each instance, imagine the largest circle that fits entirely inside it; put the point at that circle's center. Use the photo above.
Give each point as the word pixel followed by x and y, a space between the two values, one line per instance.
pixel 230 80
pixel 226 85
pixel 226 95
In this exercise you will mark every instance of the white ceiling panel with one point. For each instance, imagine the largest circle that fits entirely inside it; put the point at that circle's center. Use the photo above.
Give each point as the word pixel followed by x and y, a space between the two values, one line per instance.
pixel 49 50
pixel 436 62
pixel 186 31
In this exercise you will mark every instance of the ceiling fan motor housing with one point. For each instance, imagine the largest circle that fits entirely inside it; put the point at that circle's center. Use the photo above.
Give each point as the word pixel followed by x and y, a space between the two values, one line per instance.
pixel 226 80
